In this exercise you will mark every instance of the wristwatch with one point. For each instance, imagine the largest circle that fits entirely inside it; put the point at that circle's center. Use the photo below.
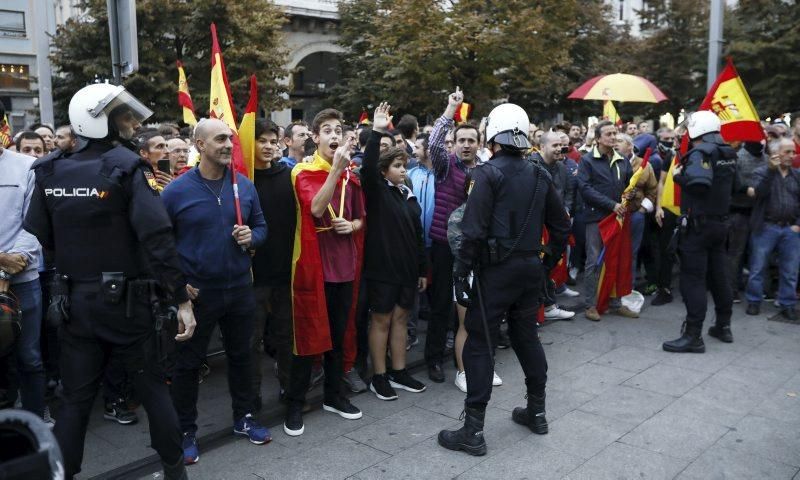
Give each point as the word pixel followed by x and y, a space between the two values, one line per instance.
pixel 5 275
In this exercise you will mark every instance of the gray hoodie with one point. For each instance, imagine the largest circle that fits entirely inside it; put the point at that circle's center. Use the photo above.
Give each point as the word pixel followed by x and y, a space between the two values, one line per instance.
pixel 16 188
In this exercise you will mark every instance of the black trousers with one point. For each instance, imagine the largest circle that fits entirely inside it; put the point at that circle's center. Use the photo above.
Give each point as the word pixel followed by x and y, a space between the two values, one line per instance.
pixel 738 238
pixel 704 265
pixel 659 266
pixel 442 304
pixel 513 286
pixel 97 333
pixel 338 297
pixel 274 302
pixel 234 310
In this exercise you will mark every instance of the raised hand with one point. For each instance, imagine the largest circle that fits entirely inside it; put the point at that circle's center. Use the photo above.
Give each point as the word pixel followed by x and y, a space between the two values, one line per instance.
pixel 341 158
pixel 455 98
pixel 382 119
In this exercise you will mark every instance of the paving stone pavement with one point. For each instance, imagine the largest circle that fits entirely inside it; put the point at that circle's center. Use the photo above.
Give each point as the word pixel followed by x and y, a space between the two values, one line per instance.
pixel 618 406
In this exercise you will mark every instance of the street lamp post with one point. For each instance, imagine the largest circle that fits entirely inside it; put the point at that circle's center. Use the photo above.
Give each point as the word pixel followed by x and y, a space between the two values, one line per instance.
pixel 714 40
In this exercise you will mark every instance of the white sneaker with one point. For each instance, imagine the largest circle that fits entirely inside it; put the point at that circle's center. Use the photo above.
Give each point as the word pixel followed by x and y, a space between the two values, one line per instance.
pixel 496 380
pixel 555 313
pixel 461 381
pixel 568 292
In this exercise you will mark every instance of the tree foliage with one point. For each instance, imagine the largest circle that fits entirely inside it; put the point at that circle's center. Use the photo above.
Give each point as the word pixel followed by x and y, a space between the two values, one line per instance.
pixel 764 42
pixel 249 33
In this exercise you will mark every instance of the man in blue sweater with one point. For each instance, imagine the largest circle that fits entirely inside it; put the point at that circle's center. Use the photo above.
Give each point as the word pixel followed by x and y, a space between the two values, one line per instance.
pixel 214 257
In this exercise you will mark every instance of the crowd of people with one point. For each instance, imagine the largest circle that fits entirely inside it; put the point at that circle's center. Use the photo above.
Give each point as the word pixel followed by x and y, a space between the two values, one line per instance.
pixel 342 249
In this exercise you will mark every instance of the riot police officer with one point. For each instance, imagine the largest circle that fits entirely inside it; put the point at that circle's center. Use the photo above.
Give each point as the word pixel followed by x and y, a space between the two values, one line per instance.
pixel 510 199
pixel 707 177
pixel 98 210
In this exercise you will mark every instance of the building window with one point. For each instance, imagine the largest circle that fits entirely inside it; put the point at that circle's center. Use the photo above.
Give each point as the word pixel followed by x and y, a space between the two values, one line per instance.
pixel 14 77
pixel 12 23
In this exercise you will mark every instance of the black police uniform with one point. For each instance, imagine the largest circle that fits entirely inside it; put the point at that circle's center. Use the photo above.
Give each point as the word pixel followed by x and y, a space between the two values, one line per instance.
pixel 99 211
pixel 510 199
pixel 707 182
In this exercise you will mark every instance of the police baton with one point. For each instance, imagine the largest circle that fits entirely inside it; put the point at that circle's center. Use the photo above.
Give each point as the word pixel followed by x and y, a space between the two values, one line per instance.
pixel 482 308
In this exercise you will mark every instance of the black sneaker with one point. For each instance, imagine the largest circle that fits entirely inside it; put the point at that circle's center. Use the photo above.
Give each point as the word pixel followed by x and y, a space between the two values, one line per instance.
pixel 789 313
pixel 119 412
pixel 663 297
pixel 381 387
pixel 753 309
pixel 401 379
pixel 342 407
pixel 293 423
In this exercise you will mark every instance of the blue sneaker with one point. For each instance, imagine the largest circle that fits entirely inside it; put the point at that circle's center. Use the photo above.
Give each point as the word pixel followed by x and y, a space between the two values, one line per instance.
pixel 191 454
pixel 257 433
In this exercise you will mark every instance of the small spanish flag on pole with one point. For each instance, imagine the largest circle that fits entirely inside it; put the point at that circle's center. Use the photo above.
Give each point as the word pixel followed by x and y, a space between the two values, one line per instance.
pixel 220 101
pixel 610 113
pixel 364 118
pixel 184 99
pixel 5 132
pixel 462 112
pixel 247 129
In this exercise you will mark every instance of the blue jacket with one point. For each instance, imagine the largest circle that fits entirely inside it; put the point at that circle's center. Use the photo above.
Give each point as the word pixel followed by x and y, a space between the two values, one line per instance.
pixel 210 256
pixel 601 182
pixel 423 182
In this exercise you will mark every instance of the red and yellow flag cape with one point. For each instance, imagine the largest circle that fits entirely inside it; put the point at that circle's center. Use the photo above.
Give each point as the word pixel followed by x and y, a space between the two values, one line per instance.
pixel 312 334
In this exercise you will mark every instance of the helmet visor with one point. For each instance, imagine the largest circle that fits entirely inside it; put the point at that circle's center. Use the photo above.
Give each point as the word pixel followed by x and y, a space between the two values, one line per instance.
pixel 122 102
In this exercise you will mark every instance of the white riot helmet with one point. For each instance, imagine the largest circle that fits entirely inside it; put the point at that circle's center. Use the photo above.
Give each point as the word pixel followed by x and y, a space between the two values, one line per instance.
pixel 507 125
pixel 92 107
pixel 701 123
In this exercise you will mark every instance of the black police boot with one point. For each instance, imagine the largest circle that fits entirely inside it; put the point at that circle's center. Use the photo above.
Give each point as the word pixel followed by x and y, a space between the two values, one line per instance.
pixel 175 472
pixel 721 332
pixel 468 438
pixel 532 416
pixel 691 340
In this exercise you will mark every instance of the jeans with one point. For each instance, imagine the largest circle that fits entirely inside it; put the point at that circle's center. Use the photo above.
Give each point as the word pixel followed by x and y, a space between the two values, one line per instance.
pixel 28 355
pixel 763 243
pixel 637 233
pixel 594 245
pixel 233 310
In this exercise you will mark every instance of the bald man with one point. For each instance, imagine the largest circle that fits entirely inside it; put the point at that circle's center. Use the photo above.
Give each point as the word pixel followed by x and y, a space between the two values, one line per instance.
pixel 214 254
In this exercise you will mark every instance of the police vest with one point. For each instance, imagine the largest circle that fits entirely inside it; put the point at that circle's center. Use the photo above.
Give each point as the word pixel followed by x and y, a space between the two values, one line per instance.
pixel 516 181
pixel 88 207
pixel 710 172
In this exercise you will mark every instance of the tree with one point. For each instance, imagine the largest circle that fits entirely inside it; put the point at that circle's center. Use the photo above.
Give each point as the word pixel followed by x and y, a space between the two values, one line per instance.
pixel 764 42
pixel 412 52
pixel 250 39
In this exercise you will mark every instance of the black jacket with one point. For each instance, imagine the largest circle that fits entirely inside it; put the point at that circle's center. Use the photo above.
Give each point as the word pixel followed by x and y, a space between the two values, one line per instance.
pixel 601 182
pixel 562 179
pixel 394 250
pixel 272 264
pixel 762 183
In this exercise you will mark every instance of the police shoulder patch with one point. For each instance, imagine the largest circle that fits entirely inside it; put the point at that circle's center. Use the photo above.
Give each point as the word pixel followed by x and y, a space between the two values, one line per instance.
pixel 151 180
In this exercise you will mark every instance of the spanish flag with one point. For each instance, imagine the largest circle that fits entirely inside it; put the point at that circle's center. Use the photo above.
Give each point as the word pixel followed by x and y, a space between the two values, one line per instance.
pixel 220 101
pixel 312 334
pixel 730 101
pixel 671 195
pixel 616 269
pixel 462 112
pixel 5 132
pixel 184 99
pixel 247 129
pixel 610 113
pixel 364 118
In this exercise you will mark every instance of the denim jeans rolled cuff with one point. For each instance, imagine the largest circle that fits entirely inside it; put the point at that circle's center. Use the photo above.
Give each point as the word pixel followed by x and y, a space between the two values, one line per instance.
pixel 786 244
pixel 28 355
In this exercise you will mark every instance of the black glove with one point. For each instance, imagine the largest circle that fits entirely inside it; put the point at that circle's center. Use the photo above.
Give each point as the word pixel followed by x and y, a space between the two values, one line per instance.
pixel 461 283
